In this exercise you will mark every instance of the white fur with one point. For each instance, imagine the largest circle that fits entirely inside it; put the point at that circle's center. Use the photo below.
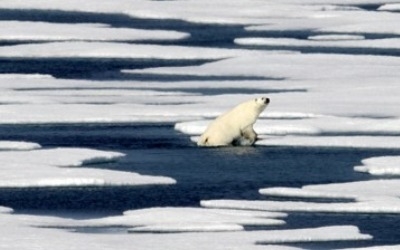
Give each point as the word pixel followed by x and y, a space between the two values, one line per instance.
pixel 235 126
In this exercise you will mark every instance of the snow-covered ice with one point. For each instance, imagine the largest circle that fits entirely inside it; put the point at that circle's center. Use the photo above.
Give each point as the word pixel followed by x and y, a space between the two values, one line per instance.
pixel 390 43
pixel 63 167
pixel 348 99
pixel 82 49
pixel 41 31
pixel 22 232
pixel 385 165
pixel 18 145
pixel 181 219
pixel 376 196
pixel 334 141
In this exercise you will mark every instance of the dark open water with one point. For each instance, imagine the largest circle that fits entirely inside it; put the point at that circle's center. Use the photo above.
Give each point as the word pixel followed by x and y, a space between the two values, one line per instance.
pixel 157 149
pixel 201 174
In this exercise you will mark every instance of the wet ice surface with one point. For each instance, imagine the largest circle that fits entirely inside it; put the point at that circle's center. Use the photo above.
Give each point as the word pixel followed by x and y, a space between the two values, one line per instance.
pixel 101 105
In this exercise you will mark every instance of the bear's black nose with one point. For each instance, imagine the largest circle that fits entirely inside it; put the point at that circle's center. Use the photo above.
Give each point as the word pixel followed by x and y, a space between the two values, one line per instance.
pixel 266 100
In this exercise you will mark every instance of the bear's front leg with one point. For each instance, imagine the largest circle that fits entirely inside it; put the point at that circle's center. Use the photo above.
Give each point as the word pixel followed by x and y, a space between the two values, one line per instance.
pixel 247 137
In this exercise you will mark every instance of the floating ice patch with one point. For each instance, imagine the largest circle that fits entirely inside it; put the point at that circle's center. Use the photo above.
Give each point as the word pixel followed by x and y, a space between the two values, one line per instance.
pixel 13 30
pixel 376 25
pixel 333 141
pixel 336 37
pixel 385 165
pixel 382 206
pixel 176 219
pixel 303 193
pixel 112 50
pixel 192 219
pixel 389 43
pixel 390 7
pixel 333 233
pixel 51 167
pixel 373 190
pixel 375 196
pixel 47 238
pixel 18 145
pixel 186 227
pixel 5 210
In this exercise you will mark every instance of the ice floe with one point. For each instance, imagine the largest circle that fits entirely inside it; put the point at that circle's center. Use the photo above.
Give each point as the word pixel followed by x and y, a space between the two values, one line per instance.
pixel 375 196
pixel 41 31
pixel 388 206
pixel 63 167
pixel 81 49
pixel 389 43
pixel 181 219
pixel 373 190
pixel 346 100
pixel 5 210
pixel 47 231
pixel 385 165
pixel 390 7
pixel 18 145
pixel 333 141
pixel 336 37
pixel 24 231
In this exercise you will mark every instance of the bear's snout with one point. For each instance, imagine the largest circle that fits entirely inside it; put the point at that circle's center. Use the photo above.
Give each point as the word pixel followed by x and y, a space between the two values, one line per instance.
pixel 266 100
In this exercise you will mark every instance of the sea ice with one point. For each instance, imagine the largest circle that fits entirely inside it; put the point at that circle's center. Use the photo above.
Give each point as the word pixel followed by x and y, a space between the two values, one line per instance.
pixel 41 31
pixel 374 196
pixel 385 165
pixel 5 210
pixel 332 141
pixel 389 206
pixel 81 49
pixel 23 232
pixel 59 167
pixel 336 37
pixel 390 7
pixel 333 42
pixel 180 219
pixel 341 100
pixel 18 145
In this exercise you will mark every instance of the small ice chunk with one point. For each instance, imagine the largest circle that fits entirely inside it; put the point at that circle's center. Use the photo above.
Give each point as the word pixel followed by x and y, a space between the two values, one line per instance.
pixel 336 37
pixel 5 210
pixel 385 165
pixel 18 145
pixel 333 141
pixel 390 7
pixel 303 193
pixel 186 227
pixel 332 233
pixel 381 206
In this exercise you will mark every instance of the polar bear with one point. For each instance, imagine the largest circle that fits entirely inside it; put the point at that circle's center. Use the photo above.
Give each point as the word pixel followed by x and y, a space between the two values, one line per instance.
pixel 236 126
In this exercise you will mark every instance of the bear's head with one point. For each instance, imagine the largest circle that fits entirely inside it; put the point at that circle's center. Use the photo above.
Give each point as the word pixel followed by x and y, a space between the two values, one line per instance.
pixel 262 102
